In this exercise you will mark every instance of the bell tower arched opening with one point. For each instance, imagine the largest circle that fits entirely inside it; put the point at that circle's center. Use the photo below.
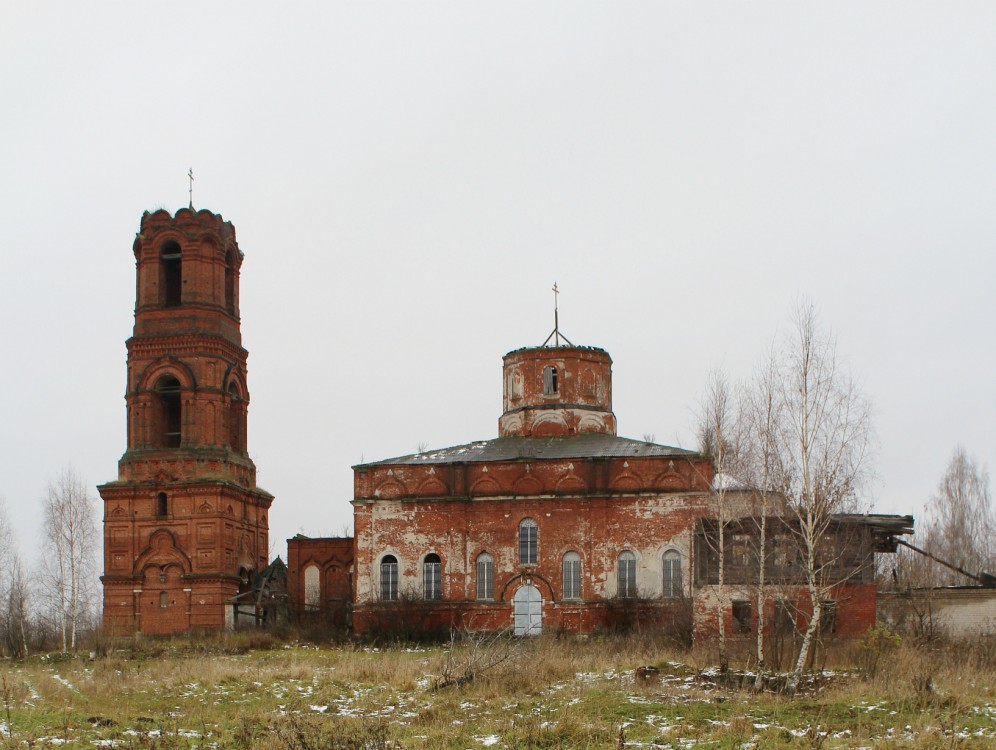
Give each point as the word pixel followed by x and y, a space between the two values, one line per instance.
pixel 170 412
pixel 170 274
pixel 230 281
pixel 236 419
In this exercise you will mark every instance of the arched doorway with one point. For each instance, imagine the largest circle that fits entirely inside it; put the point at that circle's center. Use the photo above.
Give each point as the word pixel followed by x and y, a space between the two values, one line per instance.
pixel 527 611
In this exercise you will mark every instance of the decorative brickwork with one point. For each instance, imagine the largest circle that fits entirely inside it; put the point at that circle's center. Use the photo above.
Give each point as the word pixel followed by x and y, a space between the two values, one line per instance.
pixel 321 574
pixel 185 526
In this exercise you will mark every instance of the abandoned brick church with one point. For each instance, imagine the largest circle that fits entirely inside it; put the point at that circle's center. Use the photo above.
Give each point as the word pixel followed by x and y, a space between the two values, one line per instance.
pixel 555 524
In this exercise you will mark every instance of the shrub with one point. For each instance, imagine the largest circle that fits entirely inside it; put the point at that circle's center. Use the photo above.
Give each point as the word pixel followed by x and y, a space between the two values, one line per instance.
pixel 875 644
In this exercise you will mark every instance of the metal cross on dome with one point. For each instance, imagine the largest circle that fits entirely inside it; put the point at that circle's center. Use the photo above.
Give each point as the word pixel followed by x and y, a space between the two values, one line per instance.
pixel 190 174
pixel 555 334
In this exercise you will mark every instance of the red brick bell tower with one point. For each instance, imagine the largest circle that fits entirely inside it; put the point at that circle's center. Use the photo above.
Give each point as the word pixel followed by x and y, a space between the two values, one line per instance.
pixel 185 526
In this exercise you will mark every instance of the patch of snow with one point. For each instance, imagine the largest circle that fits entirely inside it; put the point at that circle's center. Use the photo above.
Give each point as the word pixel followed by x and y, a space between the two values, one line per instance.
pixel 64 681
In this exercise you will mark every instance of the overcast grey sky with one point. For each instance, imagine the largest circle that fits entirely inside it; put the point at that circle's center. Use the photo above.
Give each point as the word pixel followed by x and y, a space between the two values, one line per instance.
pixel 407 180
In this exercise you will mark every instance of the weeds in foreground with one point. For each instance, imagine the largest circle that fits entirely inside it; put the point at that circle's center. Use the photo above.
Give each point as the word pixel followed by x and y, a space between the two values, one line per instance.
pixel 543 692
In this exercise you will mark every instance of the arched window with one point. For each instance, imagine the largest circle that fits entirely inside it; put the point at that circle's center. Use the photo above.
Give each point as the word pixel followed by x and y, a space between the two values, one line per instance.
pixel 230 281
pixel 432 579
pixel 161 505
pixel 672 575
pixel 389 578
pixel 168 390
pixel 528 542
pixel 549 380
pixel 572 575
pixel 312 587
pixel 163 599
pixel 627 574
pixel 236 419
pixel 170 275
pixel 485 577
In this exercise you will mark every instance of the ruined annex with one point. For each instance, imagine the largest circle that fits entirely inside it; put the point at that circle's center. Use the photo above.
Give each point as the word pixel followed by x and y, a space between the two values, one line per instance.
pixel 556 524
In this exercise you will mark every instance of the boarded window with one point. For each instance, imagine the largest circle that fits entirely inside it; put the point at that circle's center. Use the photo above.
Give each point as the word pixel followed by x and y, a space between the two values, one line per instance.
pixel 163 599
pixel 528 542
pixel 627 574
pixel 572 575
pixel 549 381
pixel 312 587
pixel 672 575
pixel 742 616
pixel 485 577
pixel 432 579
pixel 389 578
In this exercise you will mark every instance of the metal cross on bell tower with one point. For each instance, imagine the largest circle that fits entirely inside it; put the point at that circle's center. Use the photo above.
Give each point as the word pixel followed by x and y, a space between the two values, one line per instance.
pixel 190 174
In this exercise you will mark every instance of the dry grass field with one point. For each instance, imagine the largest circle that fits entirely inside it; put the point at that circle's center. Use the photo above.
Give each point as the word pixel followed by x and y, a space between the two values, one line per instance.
pixel 250 691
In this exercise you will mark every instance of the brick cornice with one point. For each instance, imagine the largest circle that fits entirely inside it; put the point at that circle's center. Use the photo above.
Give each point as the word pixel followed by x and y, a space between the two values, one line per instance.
pixel 185 344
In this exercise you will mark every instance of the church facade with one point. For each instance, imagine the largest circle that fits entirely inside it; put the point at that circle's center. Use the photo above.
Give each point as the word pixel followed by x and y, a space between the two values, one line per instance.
pixel 551 525
pixel 556 524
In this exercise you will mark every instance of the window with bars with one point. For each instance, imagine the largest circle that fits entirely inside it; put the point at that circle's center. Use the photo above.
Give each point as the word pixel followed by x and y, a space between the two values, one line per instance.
pixel 572 575
pixel 627 574
pixel 389 578
pixel 672 575
pixel 485 577
pixel 432 580
pixel 528 542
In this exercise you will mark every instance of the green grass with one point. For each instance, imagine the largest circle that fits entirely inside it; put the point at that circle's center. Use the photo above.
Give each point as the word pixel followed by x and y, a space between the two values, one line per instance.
pixel 548 694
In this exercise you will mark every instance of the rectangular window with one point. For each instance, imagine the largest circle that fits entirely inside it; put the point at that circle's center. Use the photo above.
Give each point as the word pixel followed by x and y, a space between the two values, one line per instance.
pixel 828 618
pixel 740 552
pixel 784 623
pixel 572 576
pixel 485 578
pixel 742 617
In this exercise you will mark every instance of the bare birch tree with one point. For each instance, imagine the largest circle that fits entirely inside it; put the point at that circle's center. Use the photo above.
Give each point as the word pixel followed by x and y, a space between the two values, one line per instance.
pixel 823 433
pixel 15 609
pixel 69 555
pixel 13 592
pixel 715 426
pixel 759 468
pixel 962 522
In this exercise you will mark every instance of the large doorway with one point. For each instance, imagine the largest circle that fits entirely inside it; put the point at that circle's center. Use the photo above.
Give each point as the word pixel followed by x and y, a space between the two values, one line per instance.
pixel 527 611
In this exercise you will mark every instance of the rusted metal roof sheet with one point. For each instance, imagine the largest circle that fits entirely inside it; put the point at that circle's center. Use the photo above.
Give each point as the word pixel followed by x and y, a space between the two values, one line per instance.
pixel 585 445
